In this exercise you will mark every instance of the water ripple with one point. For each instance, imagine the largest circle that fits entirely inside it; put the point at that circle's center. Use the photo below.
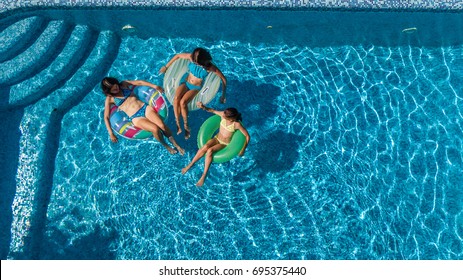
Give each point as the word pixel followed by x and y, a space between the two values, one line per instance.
pixel 355 154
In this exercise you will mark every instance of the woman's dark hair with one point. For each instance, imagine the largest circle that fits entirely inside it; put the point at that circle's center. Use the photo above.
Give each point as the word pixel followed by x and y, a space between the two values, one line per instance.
pixel 202 57
pixel 232 113
pixel 107 83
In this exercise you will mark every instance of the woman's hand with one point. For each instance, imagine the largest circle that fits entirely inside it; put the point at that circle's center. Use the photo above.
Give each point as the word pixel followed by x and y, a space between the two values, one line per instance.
pixel 113 138
pixel 163 69
pixel 200 105
pixel 160 89
pixel 223 99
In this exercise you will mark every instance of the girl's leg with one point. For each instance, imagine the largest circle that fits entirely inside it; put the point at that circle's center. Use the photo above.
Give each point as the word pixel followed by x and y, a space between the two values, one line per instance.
pixel 181 90
pixel 146 124
pixel 153 116
pixel 200 154
pixel 208 161
pixel 187 97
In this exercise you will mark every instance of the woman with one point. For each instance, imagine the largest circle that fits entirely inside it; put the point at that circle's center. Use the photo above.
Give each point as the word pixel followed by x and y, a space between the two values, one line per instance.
pixel 142 116
pixel 199 67
pixel 230 122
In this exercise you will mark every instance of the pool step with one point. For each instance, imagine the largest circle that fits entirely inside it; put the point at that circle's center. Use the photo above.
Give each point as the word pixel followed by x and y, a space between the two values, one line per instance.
pixel 36 163
pixel 38 56
pixel 74 54
pixel 89 75
pixel 17 37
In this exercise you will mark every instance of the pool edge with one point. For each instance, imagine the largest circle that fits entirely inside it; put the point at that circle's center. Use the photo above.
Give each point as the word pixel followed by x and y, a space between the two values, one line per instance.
pixel 417 5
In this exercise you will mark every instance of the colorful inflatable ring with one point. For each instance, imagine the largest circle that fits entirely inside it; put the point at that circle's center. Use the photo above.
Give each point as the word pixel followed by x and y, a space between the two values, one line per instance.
pixel 207 130
pixel 175 73
pixel 120 121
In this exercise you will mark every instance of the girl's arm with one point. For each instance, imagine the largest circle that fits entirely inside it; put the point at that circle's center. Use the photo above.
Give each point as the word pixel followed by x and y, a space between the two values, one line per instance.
pixel 207 109
pixel 241 128
pixel 145 83
pixel 107 110
pixel 177 56
pixel 219 73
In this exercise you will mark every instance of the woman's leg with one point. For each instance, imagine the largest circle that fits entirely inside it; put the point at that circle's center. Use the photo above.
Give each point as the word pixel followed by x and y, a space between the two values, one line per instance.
pixel 146 124
pixel 181 90
pixel 208 161
pixel 154 117
pixel 200 154
pixel 186 98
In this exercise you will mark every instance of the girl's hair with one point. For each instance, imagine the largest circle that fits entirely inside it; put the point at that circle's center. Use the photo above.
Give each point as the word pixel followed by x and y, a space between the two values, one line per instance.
pixel 232 113
pixel 107 83
pixel 202 57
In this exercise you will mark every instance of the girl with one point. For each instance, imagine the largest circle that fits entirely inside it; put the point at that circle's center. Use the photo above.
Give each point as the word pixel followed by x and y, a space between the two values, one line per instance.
pixel 230 122
pixel 191 83
pixel 141 115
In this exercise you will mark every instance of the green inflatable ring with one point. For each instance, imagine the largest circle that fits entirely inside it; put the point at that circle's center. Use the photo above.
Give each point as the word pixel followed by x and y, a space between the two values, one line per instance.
pixel 208 128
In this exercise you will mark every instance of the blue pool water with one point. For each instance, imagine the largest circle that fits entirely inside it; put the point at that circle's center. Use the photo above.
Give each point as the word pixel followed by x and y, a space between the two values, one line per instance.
pixel 356 153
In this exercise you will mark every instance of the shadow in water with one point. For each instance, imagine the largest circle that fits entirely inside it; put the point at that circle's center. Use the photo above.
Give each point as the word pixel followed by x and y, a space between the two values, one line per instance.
pixel 9 156
pixel 9 152
pixel 50 152
pixel 278 152
pixel 94 246
pixel 256 103
pixel 34 245
pixel 59 80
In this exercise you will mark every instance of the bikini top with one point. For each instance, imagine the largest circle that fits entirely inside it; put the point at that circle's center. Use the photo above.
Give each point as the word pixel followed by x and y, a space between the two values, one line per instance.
pixel 197 71
pixel 126 92
pixel 230 127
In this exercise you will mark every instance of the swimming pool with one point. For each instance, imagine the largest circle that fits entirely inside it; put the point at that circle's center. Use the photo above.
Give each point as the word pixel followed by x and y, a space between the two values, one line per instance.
pixel 356 149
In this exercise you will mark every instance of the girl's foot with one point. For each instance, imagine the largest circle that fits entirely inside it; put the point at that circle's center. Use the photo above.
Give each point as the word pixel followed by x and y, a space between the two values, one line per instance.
pixel 187 132
pixel 172 151
pixel 200 183
pixel 179 129
pixel 185 169
pixel 180 150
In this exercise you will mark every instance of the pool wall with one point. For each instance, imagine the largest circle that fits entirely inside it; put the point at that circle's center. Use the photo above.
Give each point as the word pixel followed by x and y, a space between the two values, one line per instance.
pixel 456 5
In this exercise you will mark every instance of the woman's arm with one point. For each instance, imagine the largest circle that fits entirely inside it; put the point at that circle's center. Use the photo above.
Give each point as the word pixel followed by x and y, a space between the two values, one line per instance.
pixel 207 109
pixel 145 83
pixel 177 56
pixel 107 111
pixel 219 73
pixel 241 128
